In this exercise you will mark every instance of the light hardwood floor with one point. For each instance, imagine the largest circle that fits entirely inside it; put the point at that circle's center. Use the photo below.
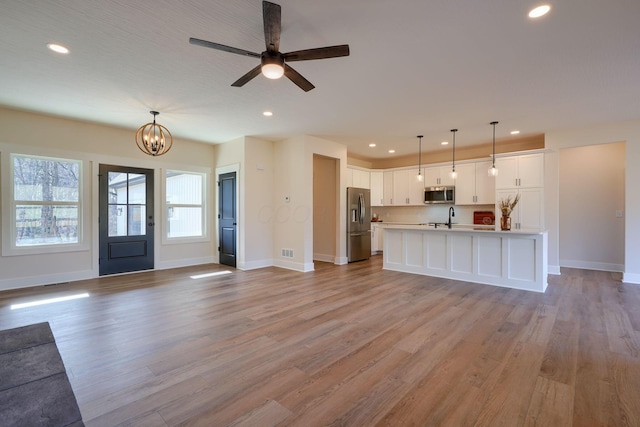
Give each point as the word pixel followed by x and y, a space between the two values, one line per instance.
pixel 344 345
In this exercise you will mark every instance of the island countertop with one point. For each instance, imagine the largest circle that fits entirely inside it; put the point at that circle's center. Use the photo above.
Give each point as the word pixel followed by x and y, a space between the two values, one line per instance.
pixel 515 259
pixel 456 227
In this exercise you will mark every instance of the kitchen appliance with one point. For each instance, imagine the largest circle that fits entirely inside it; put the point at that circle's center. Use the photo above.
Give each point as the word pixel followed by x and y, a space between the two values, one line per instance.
pixel 442 194
pixel 358 224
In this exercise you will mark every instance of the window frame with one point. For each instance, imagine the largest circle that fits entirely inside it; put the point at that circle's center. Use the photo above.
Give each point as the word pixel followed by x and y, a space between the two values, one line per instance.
pixel 204 237
pixel 10 231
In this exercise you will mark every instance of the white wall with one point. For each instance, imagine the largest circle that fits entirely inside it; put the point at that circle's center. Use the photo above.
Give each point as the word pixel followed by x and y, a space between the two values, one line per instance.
pixel 293 228
pixel 36 134
pixel 292 203
pixel 628 132
pixel 591 190
pixel 258 213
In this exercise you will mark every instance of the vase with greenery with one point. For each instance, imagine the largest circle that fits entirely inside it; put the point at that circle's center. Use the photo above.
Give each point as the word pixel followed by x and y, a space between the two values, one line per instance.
pixel 506 207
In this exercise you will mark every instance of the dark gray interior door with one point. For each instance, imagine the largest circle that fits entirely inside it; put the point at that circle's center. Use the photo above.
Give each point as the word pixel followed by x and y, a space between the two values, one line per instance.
pixel 227 218
pixel 126 219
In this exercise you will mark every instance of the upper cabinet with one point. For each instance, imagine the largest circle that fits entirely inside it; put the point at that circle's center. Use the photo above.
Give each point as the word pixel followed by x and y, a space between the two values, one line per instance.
pixel 407 189
pixel 361 179
pixel 474 186
pixel 387 188
pixel 526 171
pixel 377 188
pixel 437 175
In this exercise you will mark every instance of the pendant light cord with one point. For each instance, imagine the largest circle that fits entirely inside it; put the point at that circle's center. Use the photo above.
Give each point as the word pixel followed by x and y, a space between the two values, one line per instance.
pixel 494 143
pixel 453 163
pixel 419 154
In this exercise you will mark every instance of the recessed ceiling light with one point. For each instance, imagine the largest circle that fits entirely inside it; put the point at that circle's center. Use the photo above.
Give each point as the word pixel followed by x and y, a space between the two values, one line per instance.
pixel 392 151
pixel 515 132
pixel 267 113
pixel 539 11
pixel 58 48
pixel 444 143
pixel 372 145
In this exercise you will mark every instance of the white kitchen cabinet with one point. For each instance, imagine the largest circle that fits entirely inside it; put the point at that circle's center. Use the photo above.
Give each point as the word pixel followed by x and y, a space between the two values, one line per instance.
pixel 387 188
pixel 359 178
pixel 377 188
pixel 473 184
pixel 407 189
pixel 438 175
pixel 526 171
pixel 377 243
pixel 528 215
pixel 349 177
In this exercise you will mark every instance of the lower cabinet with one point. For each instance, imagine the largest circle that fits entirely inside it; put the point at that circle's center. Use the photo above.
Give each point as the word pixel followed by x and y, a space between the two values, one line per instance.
pixel 377 242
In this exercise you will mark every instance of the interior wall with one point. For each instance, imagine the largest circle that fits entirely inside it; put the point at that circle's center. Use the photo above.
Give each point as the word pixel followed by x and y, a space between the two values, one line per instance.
pixel 324 208
pixel 258 212
pixel 591 192
pixel 291 206
pixel 615 132
pixel 37 134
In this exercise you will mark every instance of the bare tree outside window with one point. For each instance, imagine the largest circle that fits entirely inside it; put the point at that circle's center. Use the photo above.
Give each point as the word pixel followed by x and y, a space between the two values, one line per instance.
pixel 46 199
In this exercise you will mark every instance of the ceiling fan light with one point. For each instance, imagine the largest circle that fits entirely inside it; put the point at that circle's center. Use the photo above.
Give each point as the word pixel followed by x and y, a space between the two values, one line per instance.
pixel 539 11
pixel 272 71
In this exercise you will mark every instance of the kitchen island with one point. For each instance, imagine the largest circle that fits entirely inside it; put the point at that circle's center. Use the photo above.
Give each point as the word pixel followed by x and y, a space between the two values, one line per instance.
pixel 513 259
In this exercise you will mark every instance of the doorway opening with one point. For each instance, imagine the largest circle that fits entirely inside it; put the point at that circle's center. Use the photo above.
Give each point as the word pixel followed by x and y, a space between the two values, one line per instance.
pixel 325 206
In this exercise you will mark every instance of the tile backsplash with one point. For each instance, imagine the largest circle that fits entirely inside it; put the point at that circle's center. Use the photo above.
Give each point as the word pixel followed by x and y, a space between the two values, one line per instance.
pixel 430 213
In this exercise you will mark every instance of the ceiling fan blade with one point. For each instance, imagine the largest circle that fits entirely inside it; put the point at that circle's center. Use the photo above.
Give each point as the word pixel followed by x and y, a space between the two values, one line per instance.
pixel 225 48
pixel 271 14
pixel 318 53
pixel 297 78
pixel 247 77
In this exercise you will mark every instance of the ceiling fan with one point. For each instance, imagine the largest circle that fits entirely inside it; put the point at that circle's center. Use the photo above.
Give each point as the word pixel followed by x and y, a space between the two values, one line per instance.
pixel 273 63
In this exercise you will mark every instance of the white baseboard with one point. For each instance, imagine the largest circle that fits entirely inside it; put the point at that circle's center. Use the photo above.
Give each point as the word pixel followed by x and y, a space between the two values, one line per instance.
pixel 323 257
pixel 342 260
pixel 553 269
pixel 633 278
pixel 186 262
pixel 290 265
pixel 47 279
pixel 589 265
pixel 254 265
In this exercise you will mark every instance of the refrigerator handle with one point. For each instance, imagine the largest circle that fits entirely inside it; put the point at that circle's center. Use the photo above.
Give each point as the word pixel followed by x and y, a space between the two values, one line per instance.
pixel 362 208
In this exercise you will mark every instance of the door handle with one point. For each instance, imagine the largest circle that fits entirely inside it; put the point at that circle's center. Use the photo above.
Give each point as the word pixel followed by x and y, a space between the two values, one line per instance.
pixel 235 223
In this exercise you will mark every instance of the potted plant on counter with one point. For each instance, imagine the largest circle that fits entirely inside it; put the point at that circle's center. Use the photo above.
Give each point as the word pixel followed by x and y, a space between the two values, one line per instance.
pixel 506 207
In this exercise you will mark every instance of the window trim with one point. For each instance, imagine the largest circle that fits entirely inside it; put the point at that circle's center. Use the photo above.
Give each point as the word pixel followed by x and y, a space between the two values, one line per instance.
pixel 9 230
pixel 165 208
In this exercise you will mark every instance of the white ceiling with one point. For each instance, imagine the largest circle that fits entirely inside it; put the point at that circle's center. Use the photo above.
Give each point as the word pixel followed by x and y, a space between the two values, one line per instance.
pixel 416 67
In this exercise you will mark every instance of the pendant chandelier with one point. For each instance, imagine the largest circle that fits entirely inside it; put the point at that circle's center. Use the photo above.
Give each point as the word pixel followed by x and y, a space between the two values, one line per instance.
pixel 154 139
pixel 420 177
pixel 493 171
pixel 453 174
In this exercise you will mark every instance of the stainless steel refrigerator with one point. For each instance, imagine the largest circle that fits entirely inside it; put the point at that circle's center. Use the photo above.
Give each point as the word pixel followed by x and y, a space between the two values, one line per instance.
pixel 358 224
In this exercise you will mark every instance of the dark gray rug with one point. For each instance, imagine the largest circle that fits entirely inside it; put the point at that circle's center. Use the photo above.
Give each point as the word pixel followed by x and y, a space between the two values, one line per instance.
pixel 34 387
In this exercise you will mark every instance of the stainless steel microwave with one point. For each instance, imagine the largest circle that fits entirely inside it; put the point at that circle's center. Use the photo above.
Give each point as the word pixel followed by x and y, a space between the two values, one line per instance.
pixel 444 194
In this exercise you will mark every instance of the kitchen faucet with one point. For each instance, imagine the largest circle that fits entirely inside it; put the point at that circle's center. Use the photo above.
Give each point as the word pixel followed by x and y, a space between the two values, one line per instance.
pixel 452 212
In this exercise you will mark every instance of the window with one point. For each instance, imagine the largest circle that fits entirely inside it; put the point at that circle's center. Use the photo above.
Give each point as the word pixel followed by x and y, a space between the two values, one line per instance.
pixel 185 204
pixel 46 201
